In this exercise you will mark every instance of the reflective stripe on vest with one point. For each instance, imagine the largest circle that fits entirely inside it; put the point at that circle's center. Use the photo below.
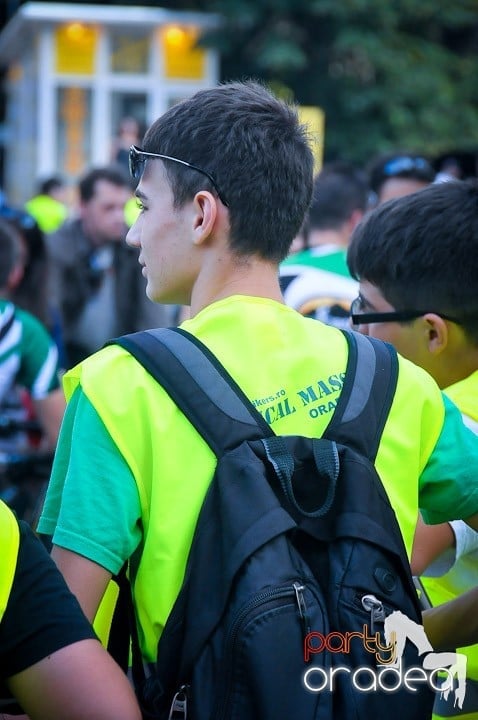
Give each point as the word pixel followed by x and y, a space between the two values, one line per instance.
pixel 9 543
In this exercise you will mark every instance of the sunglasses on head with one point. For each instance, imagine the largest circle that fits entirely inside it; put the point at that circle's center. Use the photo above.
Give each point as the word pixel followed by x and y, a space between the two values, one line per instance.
pixel 138 157
pixel 405 163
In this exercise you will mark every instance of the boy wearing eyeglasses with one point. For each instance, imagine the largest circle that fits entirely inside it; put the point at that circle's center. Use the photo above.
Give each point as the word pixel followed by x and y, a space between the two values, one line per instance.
pixel 225 179
pixel 416 259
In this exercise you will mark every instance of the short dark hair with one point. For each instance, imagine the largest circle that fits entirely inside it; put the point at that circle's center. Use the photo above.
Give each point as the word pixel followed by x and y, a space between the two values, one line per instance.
pixel 406 165
pixel 87 184
pixel 339 189
pixel 9 251
pixel 421 251
pixel 258 154
pixel 55 182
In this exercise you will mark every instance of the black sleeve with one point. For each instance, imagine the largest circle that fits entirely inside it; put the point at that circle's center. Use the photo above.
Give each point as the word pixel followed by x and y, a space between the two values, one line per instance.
pixel 42 615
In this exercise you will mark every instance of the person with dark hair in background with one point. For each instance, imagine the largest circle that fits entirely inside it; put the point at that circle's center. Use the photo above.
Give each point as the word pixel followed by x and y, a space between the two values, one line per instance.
pixel 417 262
pixel 96 281
pixel 316 281
pixel 31 292
pixel 49 207
pixel 397 174
pixel 28 354
pixel 129 133
pixel 449 169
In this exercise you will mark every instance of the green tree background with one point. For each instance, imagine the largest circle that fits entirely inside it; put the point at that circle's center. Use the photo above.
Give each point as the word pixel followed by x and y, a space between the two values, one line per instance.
pixel 388 73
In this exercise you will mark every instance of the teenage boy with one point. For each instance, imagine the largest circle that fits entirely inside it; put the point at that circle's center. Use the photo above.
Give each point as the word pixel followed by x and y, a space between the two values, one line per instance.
pixel 225 179
pixel 417 262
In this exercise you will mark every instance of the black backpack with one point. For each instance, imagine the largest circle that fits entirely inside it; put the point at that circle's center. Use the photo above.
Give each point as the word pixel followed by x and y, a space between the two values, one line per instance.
pixel 296 547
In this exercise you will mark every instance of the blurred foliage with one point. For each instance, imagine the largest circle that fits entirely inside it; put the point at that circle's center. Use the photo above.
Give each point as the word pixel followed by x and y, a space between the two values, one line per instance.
pixel 388 73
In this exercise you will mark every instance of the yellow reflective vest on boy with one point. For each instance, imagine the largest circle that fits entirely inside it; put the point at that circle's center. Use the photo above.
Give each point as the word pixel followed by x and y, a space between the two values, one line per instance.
pixel 9 544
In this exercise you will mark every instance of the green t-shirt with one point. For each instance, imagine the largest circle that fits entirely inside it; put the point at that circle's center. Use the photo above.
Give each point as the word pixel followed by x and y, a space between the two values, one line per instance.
pixel 28 354
pixel 328 258
pixel 317 283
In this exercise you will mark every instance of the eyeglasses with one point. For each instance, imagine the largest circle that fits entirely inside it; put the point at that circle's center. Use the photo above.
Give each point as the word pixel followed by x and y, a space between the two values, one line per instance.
pixel 404 164
pixel 361 318
pixel 138 157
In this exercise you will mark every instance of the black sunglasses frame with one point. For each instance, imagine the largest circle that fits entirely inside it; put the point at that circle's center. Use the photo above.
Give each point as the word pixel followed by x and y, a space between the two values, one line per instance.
pixel 392 316
pixel 137 158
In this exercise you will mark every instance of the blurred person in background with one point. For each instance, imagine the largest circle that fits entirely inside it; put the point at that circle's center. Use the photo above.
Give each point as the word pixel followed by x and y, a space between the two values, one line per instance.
pixel 129 133
pixel 96 280
pixel 316 281
pixel 49 206
pixel 28 354
pixel 449 169
pixel 397 174
pixel 31 291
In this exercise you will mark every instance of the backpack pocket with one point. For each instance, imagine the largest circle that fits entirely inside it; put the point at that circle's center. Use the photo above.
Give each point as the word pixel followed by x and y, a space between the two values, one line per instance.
pixel 264 655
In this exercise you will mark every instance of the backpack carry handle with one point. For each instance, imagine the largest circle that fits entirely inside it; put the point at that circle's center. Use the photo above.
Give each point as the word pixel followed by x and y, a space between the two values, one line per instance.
pixel 327 467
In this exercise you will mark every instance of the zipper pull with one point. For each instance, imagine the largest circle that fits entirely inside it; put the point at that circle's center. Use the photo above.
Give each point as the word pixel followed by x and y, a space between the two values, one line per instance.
pixel 374 606
pixel 179 705
pixel 304 618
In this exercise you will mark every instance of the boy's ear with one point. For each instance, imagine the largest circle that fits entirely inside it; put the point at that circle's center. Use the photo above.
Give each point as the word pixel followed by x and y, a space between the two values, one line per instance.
pixel 205 215
pixel 437 334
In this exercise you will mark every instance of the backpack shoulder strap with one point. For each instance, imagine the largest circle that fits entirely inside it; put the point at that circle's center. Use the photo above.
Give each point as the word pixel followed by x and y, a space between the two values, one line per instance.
pixel 367 394
pixel 203 389
pixel 199 385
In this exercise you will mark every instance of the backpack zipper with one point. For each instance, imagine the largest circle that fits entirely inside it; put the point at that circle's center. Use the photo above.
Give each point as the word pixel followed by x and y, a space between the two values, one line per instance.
pixel 374 606
pixel 301 604
pixel 294 591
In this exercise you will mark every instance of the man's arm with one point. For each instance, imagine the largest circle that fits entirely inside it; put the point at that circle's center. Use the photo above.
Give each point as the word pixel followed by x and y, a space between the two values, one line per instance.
pixel 49 411
pixel 77 682
pixel 430 542
pixel 85 578
pixel 472 521
pixel 453 624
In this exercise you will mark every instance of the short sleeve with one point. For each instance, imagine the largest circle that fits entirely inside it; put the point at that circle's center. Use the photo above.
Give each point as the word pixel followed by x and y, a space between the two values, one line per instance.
pixel 92 505
pixel 42 615
pixel 449 482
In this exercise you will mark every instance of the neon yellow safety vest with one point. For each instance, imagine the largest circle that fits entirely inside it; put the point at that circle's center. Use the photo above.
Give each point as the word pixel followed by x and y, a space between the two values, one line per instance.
pixel 9 544
pixel 48 212
pixel 465 395
pixel 127 400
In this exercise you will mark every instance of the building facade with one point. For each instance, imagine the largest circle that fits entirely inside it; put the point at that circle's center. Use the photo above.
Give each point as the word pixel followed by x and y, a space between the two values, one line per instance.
pixel 74 72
